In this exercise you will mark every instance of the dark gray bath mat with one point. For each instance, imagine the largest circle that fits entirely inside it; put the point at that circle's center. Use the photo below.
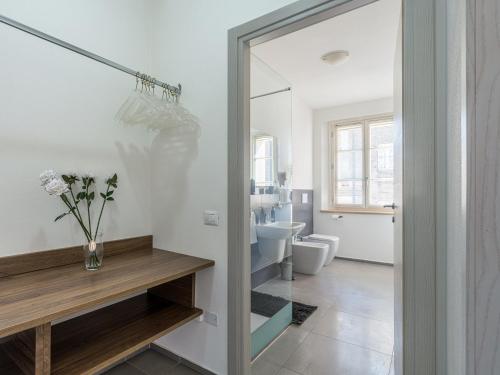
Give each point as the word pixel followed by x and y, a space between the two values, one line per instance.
pixel 301 312
pixel 268 305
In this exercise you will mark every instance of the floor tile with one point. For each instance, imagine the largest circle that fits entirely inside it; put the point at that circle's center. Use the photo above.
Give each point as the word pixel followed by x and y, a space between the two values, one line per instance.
pixel 321 355
pixel 285 371
pixel 182 370
pixel 153 363
pixel 306 297
pixel 373 308
pixel 284 346
pixel 262 367
pixel 368 333
pixel 124 369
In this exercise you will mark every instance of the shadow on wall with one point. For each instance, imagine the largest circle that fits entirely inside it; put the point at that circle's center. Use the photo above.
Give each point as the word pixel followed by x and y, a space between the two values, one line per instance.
pixel 172 152
pixel 137 164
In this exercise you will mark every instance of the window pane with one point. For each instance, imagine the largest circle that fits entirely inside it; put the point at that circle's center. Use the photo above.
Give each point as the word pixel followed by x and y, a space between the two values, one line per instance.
pixel 263 147
pixel 350 138
pixel 349 165
pixel 381 192
pixel 381 163
pixel 263 172
pixel 349 192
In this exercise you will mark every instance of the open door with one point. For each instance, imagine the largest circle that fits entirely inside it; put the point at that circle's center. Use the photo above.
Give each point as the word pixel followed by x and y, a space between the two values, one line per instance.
pixel 397 206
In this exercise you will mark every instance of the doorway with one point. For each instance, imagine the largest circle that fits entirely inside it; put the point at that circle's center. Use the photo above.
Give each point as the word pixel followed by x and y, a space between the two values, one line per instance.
pixel 415 257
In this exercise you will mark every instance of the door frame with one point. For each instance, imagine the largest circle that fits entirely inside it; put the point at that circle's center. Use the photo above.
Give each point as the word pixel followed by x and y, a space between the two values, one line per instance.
pixel 422 274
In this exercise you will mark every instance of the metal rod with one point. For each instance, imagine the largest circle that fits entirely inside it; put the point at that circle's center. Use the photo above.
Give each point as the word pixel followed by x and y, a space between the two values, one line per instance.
pixel 271 93
pixel 93 56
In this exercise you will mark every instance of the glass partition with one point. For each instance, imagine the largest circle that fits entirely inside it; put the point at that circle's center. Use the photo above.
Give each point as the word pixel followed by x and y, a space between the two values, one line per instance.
pixel 271 206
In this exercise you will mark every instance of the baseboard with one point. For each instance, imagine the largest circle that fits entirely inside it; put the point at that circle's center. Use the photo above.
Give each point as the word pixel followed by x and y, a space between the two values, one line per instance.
pixel 181 360
pixel 366 261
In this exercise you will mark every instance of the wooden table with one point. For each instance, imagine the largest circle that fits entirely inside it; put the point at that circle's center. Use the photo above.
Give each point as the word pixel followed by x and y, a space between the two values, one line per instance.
pixel 155 290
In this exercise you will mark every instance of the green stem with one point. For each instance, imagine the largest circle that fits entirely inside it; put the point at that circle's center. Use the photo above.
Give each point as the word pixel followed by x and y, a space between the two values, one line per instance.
pixel 88 205
pixel 76 204
pixel 64 198
pixel 102 209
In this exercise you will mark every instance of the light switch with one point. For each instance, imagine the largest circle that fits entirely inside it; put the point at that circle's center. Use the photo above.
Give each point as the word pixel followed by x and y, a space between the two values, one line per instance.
pixel 211 218
pixel 305 198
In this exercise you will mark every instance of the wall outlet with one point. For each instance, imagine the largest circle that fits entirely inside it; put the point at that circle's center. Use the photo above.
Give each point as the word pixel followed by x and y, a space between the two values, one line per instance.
pixel 211 318
pixel 211 218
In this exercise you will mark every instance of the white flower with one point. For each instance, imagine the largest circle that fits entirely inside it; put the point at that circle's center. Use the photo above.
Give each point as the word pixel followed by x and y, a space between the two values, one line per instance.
pixel 47 176
pixel 56 187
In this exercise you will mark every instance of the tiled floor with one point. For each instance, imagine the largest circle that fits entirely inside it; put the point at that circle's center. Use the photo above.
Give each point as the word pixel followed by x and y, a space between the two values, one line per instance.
pixel 351 333
pixel 151 362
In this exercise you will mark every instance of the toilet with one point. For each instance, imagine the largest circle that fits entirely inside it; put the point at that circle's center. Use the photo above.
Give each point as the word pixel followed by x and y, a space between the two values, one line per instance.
pixel 309 257
pixel 331 241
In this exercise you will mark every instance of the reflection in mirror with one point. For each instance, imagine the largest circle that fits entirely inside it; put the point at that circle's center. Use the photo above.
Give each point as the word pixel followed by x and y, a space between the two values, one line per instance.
pixel 264 160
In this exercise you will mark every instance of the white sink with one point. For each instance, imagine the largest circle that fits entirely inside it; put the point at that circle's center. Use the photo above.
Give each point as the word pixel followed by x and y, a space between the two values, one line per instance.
pixel 272 238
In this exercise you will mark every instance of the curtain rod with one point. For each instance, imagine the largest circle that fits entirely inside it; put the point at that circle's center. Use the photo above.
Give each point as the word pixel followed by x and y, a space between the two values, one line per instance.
pixel 271 93
pixel 8 21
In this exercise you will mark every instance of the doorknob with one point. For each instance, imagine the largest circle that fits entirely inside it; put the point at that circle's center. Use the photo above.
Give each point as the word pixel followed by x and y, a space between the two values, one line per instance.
pixel 393 206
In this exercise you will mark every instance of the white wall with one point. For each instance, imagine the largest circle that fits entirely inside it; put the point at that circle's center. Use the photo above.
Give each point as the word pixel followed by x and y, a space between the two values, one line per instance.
pixel 302 144
pixel 362 236
pixel 191 47
pixel 57 112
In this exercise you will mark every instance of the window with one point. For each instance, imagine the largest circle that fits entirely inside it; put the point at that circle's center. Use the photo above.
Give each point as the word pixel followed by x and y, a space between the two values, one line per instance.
pixel 263 160
pixel 362 163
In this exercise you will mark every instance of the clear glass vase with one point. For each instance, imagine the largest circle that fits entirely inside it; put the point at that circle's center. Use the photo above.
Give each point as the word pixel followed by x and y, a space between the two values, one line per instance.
pixel 93 252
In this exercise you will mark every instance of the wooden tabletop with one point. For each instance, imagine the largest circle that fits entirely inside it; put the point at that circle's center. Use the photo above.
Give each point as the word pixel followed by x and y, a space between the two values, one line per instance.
pixel 34 298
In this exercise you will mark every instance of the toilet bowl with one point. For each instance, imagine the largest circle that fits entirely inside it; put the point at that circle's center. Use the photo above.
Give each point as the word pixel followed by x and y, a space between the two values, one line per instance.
pixel 331 241
pixel 309 257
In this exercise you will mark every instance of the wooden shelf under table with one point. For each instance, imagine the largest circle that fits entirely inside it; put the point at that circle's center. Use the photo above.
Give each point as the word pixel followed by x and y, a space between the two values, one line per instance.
pixel 94 341
pixel 31 304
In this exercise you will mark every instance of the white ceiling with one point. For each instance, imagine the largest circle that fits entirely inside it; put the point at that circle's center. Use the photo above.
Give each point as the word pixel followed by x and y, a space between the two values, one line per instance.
pixel 368 33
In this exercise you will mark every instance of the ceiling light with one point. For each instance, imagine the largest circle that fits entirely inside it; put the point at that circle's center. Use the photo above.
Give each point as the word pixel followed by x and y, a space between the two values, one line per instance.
pixel 335 57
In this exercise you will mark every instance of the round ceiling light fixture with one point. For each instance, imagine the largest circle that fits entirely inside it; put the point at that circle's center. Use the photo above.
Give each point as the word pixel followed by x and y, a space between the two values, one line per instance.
pixel 335 57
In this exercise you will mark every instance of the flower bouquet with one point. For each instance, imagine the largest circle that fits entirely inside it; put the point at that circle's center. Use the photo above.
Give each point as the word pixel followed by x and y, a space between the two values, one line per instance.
pixel 73 190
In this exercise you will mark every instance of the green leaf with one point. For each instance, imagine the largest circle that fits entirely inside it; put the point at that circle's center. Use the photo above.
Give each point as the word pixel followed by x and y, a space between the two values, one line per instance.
pixel 65 178
pixel 102 195
pixel 110 199
pixel 109 193
pixel 91 195
pixel 60 216
pixel 114 185
pixel 81 195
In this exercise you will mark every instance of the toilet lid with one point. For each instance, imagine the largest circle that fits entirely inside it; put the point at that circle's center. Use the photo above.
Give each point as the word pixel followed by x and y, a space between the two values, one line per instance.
pixel 322 237
pixel 310 244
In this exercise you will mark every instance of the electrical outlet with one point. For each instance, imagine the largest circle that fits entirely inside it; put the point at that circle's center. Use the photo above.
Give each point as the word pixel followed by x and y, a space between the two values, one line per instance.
pixel 211 218
pixel 211 318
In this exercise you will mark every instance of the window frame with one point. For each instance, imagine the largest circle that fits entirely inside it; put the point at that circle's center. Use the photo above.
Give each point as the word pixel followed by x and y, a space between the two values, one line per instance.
pixel 364 121
pixel 273 157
